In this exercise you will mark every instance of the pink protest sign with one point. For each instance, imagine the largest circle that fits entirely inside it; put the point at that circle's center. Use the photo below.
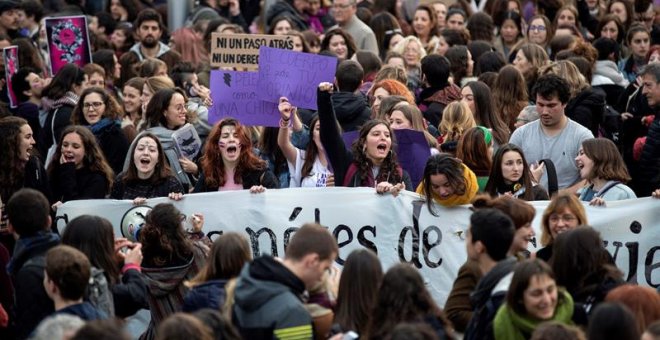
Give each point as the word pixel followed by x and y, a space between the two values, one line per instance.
pixel 68 42
pixel 10 56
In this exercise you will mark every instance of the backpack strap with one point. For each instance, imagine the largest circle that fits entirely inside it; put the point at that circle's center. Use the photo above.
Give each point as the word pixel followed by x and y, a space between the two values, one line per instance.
pixel 553 185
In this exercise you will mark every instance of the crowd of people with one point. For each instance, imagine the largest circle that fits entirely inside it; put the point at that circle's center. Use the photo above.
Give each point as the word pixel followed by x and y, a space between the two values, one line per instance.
pixel 518 100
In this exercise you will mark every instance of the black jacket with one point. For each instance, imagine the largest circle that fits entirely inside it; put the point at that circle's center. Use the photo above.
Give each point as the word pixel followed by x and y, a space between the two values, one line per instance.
pixel 130 295
pixel 26 268
pixel 251 178
pixel 433 100
pixel 351 109
pixel 114 144
pixel 649 162
pixel 69 183
pixel 210 294
pixel 587 108
pixel 62 116
pixel 284 8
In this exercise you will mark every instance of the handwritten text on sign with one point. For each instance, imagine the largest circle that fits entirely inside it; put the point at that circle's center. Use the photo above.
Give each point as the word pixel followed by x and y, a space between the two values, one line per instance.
pixel 235 95
pixel 294 75
pixel 399 229
pixel 242 50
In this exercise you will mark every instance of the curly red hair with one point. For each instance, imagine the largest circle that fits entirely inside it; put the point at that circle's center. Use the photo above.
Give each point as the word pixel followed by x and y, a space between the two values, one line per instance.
pixel 212 163
pixel 393 87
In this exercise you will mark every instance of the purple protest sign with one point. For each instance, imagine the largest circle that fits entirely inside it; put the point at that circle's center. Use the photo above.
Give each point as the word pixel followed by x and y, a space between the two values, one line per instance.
pixel 295 75
pixel 10 56
pixel 234 95
pixel 412 151
pixel 68 42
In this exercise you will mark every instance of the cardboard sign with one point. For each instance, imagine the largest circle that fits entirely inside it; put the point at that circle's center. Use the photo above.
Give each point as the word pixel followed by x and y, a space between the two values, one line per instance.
pixel 10 56
pixel 294 75
pixel 234 95
pixel 241 51
pixel 68 42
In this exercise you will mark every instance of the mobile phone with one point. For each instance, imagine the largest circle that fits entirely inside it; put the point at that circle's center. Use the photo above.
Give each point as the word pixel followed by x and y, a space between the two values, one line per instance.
pixel 350 335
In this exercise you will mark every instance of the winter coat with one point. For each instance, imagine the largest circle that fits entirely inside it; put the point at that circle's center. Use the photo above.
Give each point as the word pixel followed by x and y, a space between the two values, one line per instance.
pixel 351 109
pixel 433 100
pixel 587 108
pixel 210 294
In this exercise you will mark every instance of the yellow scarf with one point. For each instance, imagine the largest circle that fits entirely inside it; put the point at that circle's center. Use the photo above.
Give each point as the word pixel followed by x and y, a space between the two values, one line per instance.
pixel 471 187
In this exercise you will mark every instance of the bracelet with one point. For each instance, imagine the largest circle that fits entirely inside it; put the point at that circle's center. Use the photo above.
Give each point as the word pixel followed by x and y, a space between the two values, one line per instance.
pixel 285 124
pixel 129 266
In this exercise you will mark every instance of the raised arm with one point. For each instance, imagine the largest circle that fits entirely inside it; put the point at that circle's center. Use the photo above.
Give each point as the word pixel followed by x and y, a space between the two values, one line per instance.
pixel 283 140
pixel 340 158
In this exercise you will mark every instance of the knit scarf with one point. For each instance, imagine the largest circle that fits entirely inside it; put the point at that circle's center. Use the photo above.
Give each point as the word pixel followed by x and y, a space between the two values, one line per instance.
pixel 102 124
pixel 68 98
pixel 511 326
pixel 471 187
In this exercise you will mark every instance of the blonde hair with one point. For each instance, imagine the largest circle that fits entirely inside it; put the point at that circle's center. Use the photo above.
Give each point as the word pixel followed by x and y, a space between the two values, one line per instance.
pixel 567 70
pixel 456 119
pixel 400 47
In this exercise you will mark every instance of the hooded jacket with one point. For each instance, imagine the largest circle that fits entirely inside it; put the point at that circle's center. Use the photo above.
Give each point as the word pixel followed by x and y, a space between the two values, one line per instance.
pixel 268 303
pixel 166 288
pixel 351 109
pixel 284 8
pixel 134 56
pixel 586 108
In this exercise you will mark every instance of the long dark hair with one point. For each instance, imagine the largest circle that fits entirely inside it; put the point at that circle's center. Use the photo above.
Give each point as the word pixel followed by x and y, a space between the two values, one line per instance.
pixel 159 104
pixel 358 289
pixel 11 168
pixel 402 297
pixel 63 82
pixel 163 239
pixel 228 255
pixel 94 159
pixel 472 149
pixel 389 169
pixel 112 109
pixel 496 178
pixel 485 114
pixel 162 171
pixel 268 147
pixel 446 165
pixel 311 152
pixel 94 236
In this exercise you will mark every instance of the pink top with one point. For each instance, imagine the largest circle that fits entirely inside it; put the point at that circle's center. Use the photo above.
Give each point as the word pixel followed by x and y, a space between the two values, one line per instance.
pixel 230 184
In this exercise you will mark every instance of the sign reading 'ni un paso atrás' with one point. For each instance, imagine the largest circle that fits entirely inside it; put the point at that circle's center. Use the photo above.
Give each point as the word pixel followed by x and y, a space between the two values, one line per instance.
pixel 241 51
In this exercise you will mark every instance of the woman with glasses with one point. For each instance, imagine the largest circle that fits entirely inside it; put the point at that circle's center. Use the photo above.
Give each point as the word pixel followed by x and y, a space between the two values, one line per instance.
pixel 101 113
pixel 565 212
pixel 540 31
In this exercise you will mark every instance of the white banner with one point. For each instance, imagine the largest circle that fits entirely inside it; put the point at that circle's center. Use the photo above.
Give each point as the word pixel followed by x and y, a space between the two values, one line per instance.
pixel 399 229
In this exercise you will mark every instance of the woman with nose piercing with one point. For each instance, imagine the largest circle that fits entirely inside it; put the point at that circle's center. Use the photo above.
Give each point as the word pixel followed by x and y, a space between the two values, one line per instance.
pixel 371 162
pixel 100 112
pixel 510 176
pixel 565 212
pixel 228 162
pixel 148 174
pixel 447 181
pixel 79 169
pixel 601 164
pixel 533 298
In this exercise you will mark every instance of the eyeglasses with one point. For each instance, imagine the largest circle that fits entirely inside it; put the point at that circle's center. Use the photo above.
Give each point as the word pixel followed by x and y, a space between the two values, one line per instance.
pixel 568 218
pixel 537 28
pixel 342 6
pixel 95 105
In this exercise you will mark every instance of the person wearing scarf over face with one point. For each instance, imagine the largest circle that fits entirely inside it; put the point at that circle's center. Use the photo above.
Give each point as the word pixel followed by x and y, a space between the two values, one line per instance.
pixel 448 181
pixel 100 112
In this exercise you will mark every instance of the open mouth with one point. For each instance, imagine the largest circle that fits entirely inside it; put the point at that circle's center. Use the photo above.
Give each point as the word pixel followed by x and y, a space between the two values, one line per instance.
pixel 232 150
pixel 145 161
pixel 69 158
pixel 382 147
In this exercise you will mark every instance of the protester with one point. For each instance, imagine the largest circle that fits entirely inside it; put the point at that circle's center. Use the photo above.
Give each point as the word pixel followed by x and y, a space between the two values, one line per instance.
pixel 533 298
pixel 340 43
pixel 479 98
pixel 228 162
pixel 344 14
pixel 403 297
pixel 171 256
pixel 227 256
pixel 475 150
pixel 565 212
pixel 511 176
pixel 612 321
pixel 600 163
pixel 370 162
pixel 439 93
pixel 79 169
pixel 447 181
pixel 643 302
pixel 456 119
pixel 101 113
pixel 29 220
pixel 132 105
pixel 350 106
pixel 268 292
pixel 28 86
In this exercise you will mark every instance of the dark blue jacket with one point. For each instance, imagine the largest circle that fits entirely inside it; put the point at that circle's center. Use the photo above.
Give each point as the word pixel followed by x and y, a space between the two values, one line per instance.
pixel 210 294
pixel 85 311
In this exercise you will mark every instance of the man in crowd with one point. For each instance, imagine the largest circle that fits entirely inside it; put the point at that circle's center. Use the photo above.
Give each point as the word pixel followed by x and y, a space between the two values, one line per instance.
pixel 553 136
pixel 649 162
pixel 149 28
pixel 344 12
pixel 268 296
pixel 28 212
